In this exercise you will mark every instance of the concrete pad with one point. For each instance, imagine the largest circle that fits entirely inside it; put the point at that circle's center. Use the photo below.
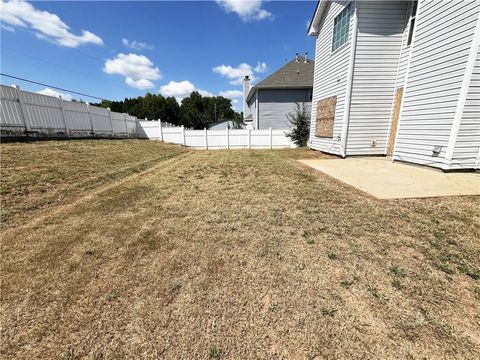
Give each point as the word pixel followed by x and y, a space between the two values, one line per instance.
pixel 384 179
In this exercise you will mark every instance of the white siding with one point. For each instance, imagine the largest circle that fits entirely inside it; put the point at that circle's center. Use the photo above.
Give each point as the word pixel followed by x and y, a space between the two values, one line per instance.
pixel 275 104
pixel 252 106
pixel 467 146
pixel 330 77
pixel 405 51
pixel 443 38
pixel 379 40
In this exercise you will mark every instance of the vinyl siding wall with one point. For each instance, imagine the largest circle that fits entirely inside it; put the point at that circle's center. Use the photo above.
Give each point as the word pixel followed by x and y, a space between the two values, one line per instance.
pixel 467 146
pixel 330 77
pixel 443 37
pixel 379 41
pixel 252 105
pixel 275 104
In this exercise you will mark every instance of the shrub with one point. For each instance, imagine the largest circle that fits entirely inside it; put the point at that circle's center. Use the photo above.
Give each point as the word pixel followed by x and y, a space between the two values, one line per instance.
pixel 300 120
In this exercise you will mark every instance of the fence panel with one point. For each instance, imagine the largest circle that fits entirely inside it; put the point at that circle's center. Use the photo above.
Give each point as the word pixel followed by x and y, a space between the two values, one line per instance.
pixel 195 138
pixel 44 112
pixel 101 120
pixel 173 135
pixel 77 118
pixel 118 124
pixel 11 118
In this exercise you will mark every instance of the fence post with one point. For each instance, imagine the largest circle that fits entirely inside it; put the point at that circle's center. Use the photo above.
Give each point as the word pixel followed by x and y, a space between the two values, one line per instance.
pixel 64 118
pixel 126 125
pixel 183 135
pixel 206 138
pixel 228 139
pixel 92 126
pixel 23 108
pixel 160 130
pixel 111 122
pixel 249 138
pixel 271 138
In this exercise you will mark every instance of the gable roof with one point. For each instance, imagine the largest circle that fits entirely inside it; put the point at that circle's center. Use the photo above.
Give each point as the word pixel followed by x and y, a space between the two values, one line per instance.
pixel 295 74
pixel 317 17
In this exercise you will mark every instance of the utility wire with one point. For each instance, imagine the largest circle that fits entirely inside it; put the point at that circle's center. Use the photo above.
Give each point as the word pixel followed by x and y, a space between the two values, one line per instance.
pixel 51 86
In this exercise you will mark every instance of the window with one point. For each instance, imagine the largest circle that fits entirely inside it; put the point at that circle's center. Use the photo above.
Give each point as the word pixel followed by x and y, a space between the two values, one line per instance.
pixel 412 22
pixel 341 27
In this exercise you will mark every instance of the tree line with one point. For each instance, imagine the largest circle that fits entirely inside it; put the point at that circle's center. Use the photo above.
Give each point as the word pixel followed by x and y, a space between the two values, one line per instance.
pixel 195 111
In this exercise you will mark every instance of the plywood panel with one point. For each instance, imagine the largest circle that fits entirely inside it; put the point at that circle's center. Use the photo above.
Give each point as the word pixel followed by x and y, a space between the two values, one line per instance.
pixel 325 117
pixel 396 113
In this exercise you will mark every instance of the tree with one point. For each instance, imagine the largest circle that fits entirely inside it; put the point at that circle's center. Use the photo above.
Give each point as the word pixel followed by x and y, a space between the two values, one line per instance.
pixel 300 121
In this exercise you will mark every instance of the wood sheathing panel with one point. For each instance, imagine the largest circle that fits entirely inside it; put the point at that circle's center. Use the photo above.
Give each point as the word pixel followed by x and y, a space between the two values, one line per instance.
pixel 325 117
pixel 396 113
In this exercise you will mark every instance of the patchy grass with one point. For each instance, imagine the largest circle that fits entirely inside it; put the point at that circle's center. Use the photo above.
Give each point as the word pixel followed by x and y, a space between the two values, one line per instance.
pixel 226 254
pixel 40 175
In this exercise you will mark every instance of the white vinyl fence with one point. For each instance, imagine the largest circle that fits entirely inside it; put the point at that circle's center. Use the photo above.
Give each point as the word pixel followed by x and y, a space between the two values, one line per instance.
pixel 215 139
pixel 25 113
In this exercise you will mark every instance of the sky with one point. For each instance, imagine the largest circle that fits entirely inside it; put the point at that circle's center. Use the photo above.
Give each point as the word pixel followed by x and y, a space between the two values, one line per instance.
pixel 114 50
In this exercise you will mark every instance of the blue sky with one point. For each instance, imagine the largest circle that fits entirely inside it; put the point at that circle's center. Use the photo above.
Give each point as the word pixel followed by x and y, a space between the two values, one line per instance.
pixel 125 49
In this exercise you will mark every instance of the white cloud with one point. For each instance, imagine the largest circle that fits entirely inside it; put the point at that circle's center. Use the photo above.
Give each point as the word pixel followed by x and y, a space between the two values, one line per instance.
pixel 230 94
pixel 138 70
pixel 181 89
pixel 235 74
pixel 139 84
pixel 48 26
pixel 247 10
pixel 50 92
pixel 8 28
pixel 136 45
pixel 261 67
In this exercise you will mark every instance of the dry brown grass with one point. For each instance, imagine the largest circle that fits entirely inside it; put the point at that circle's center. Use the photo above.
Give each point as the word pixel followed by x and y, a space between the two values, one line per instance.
pixel 242 255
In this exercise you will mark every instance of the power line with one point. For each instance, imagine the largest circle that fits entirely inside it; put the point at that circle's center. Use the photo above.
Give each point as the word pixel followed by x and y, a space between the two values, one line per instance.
pixel 51 86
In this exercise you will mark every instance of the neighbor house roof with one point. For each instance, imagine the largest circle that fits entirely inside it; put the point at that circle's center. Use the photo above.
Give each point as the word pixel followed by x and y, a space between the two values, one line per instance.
pixel 297 74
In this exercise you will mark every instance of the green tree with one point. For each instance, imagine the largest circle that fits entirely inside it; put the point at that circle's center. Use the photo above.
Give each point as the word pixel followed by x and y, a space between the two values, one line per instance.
pixel 300 121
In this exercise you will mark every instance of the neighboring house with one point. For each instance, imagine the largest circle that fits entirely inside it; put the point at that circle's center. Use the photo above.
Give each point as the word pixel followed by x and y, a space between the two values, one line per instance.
pixel 224 124
pixel 398 78
pixel 267 104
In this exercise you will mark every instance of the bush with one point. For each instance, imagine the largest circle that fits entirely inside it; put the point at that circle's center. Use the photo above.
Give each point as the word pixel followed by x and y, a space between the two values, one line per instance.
pixel 300 120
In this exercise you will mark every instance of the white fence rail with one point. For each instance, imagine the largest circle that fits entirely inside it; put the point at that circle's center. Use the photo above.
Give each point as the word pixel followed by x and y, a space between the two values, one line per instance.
pixel 25 113
pixel 215 139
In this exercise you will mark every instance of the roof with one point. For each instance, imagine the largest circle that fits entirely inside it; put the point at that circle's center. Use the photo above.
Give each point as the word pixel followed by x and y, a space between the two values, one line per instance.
pixel 294 75
pixel 317 17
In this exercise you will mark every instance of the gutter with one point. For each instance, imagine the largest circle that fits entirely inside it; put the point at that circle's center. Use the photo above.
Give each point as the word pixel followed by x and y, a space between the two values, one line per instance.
pixel 348 95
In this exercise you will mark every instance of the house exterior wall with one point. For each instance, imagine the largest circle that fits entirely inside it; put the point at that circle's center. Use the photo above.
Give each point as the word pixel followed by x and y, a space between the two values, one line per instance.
pixel 330 77
pixel 467 147
pixel 275 104
pixel 378 47
pixel 440 49
pixel 252 107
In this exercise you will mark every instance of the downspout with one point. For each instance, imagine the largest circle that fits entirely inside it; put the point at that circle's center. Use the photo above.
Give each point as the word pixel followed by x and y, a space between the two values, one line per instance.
pixel 348 95
pixel 463 97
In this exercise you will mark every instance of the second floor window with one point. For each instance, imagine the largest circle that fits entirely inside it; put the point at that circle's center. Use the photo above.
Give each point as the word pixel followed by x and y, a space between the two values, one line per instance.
pixel 413 16
pixel 341 27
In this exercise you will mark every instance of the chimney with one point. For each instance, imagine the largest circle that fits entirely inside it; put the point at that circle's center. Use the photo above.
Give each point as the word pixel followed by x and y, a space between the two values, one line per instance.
pixel 296 57
pixel 246 90
pixel 306 58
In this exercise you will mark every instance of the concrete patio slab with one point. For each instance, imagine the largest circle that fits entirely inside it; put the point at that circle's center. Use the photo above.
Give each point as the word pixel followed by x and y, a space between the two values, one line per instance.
pixel 385 179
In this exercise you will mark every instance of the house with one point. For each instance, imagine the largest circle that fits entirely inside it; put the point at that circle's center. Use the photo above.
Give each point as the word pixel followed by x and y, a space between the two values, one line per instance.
pixel 223 124
pixel 398 78
pixel 266 104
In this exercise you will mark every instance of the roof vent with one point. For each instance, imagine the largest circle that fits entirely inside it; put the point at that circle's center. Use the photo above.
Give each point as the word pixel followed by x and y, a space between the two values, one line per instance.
pixel 306 59
pixel 247 77
pixel 296 57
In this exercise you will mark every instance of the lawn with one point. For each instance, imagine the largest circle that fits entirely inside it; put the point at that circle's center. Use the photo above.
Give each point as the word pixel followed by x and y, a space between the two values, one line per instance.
pixel 137 249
